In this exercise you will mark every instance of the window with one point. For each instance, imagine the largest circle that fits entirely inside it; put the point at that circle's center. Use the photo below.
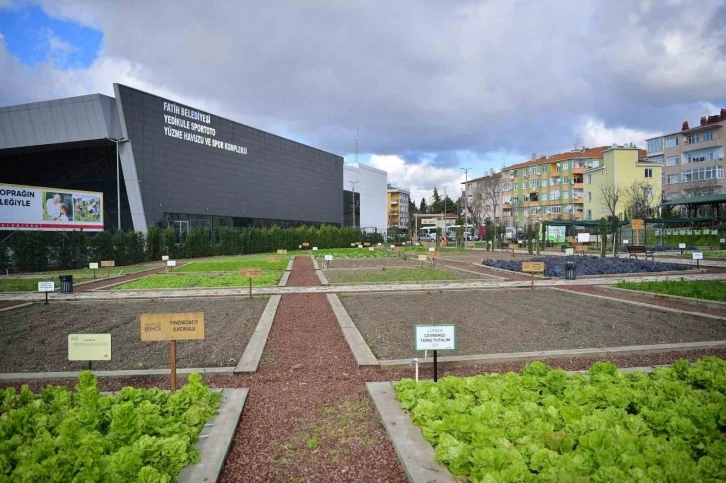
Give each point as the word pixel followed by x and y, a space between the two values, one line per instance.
pixel 544 183
pixel 673 178
pixel 554 181
pixel 534 211
pixel 693 139
pixel 656 159
pixel 534 183
pixel 506 199
pixel 655 144
pixel 534 170
pixel 565 195
pixel 565 165
pixel 708 136
pixel 507 186
pixel 544 196
pixel 526 198
pixel 589 196
pixel 556 210
pixel 525 185
pixel 589 179
pixel 699 174
pixel 672 161
pixel 468 187
pixel 566 180
pixel 515 186
pixel 555 195
pixel 649 192
pixel 515 199
pixel 648 172
pixel 533 197
pixel 672 142
pixel 526 212
pixel 589 214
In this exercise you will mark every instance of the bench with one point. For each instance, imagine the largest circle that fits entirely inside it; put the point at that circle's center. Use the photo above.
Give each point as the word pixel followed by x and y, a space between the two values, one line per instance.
pixel 507 246
pixel 634 250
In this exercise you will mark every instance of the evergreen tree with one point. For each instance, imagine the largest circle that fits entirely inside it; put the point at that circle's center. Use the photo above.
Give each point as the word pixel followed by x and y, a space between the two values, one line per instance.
pixel 422 207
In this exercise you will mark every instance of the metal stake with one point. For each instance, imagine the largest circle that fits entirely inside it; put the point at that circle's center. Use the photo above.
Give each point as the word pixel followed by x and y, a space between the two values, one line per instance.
pixel 436 368
pixel 172 357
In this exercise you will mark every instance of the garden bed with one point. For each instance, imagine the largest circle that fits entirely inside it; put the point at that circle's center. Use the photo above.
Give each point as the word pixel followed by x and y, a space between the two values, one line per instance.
pixel 603 426
pixel 184 280
pixel 137 435
pixel 232 265
pixel 589 265
pixel 700 289
pixel 496 321
pixel 35 338
pixel 400 274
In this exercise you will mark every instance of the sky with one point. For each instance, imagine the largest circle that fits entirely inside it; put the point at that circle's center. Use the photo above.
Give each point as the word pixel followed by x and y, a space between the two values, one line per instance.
pixel 426 86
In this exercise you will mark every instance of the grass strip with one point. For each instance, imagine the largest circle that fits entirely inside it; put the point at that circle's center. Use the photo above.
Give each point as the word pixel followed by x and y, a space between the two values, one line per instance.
pixel 394 275
pixel 170 280
pixel 24 284
pixel 700 289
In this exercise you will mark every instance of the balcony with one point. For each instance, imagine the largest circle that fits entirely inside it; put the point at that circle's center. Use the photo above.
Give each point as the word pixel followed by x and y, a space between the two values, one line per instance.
pixel 578 215
pixel 394 202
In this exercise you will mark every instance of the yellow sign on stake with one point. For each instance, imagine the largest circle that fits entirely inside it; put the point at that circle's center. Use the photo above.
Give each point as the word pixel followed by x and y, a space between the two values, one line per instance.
pixel 250 272
pixel 181 326
pixel 108 263
pixel 282 252
pixel 531 267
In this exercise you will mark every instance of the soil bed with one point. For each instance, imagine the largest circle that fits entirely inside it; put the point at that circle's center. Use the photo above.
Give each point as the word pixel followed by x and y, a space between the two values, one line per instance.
pixel 401 274
pixel 371 262
pixel 36 337
pixel 496 321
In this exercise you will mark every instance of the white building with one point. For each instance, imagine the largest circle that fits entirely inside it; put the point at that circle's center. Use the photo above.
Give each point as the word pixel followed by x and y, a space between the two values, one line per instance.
pixel 372 185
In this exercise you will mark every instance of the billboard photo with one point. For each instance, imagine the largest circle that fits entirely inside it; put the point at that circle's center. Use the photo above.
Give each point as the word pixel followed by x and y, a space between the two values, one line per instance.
pixel 49 209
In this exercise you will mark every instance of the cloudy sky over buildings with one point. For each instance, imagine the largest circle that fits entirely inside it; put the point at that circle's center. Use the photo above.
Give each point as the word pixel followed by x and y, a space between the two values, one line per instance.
pixel 430 85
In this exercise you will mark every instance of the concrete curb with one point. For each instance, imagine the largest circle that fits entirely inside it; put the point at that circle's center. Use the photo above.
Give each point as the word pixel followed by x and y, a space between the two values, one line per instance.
pixel 714 304
pixel 556 354
pixel 290 263
pixel 316 266
pixel 363 355
pixel 643 304
pixel 250 359
pixel 16 306
pixel 283 280
pixel 51 376
pixel 416 455
pixel 215 440
pixel 321 276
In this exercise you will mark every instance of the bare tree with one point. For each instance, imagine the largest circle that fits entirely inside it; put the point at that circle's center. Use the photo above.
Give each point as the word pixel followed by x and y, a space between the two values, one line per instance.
pixel 475 208
pixel 485 200
pixel 611 195
pixel 640 200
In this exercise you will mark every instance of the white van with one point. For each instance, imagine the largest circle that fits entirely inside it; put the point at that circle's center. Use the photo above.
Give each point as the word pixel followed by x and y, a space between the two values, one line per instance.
pixel 427 234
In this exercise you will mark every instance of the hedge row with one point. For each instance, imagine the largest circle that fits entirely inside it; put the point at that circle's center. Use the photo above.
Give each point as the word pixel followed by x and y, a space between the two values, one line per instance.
pixel 38 251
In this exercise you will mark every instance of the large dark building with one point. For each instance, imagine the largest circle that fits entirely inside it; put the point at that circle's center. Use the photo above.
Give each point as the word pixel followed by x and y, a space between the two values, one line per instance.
pixel 178 165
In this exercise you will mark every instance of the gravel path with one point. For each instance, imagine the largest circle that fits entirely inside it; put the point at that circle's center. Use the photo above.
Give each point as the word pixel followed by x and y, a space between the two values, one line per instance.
pixel 496 321
pixel 10 303
pixel 35 338
pixel 307 417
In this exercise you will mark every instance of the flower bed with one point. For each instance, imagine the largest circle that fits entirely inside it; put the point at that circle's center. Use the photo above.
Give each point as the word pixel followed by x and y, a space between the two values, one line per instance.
pixel 138 435
pixel 600 427
pixel 589 265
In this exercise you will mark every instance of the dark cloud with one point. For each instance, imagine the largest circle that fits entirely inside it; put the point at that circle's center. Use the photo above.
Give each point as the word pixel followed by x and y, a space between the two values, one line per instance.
pixel 416 77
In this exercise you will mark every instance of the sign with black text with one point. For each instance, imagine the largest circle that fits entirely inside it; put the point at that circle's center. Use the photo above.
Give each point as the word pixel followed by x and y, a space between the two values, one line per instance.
pixel 435 337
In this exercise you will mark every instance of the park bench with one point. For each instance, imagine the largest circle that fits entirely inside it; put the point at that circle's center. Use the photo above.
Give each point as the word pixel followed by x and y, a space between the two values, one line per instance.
pixel 508 246
pixel 634 250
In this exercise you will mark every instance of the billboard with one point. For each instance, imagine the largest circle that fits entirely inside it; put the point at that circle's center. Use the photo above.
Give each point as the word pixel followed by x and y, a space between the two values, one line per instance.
pixel 49 209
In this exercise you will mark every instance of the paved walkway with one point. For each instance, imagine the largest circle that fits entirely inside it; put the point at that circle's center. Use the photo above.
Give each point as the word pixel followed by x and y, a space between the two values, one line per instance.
pixel 357 288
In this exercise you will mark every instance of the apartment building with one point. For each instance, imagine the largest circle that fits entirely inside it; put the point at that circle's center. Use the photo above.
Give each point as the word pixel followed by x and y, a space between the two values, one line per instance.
pixel 620 167
pixel 692 158
pixel 481 192
pixel 397 206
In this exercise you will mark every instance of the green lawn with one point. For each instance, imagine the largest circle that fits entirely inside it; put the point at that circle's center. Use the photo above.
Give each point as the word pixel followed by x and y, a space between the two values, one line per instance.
pixel 392 275
pixel 87 273
pixel 700 289
pixel 234 265
pixel 24 284
pixel 201 281
pixel 355 253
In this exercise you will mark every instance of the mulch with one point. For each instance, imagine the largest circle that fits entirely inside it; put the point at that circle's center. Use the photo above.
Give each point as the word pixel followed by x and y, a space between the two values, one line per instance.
pixel 518 320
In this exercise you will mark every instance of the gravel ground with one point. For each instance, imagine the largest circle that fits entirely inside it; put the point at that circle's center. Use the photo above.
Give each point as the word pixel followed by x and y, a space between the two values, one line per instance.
pixel 307 417
pixel 36 337
pixel 673 304
pixel 9 303
pixel 497 321
pixel 484 270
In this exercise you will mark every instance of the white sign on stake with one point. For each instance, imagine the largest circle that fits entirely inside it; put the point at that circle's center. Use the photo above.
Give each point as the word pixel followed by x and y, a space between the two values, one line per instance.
pixel 698 255
pixel 625 242
pixel 583 238
pixel 171 263
pixel 723 240
pixel 370 249
pixel 681 245
pixel 393 246
pixel 46 286
pixel 435 337
pixel 164 258
pixel 93 266
pixel 432 249
pixel 315 249
pixel 89 347
pixel 328 258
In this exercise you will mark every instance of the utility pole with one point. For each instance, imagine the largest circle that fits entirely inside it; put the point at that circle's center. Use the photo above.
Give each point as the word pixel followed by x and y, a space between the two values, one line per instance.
pixel 354 183
pixel 463 202
pixel 445 196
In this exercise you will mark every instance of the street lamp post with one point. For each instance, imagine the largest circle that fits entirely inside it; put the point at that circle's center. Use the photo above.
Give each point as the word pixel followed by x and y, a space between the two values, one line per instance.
pixel 353 183
pixel 463 202
pixel 118 178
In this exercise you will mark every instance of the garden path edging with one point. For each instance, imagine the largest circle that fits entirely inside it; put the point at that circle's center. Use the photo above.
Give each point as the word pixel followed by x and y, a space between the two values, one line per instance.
pixel 216 438
pixel 361 351
pixel 51 376
pixel 250 359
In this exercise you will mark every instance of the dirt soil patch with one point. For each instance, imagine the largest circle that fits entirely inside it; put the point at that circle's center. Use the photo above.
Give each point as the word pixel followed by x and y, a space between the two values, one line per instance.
pixel 495 321
pixel 35 338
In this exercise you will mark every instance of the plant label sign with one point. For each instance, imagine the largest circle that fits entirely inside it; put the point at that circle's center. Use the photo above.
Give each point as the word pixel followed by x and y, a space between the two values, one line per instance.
pixel 698 255
pixel 164 258
pixel 625 242
pixel 532 267
pixel 393 246
pixel 723 240
pixel 250 272
pixel 315 249
pixel 305 244
pixel 367 244
pixel 282 252
pixel 46 286
pixel 273 260
pixel 171 263
pixel 583 238
pixel 569 251
pixel 89 347
pixel 637 224
pixel 422 258
pixel 108 263
pixel 435 337
pixel 432 249
pixel 370 249
pixel 328 258
pixel 93 266
pixel 352 244
pixel 682 246
pixel 182 326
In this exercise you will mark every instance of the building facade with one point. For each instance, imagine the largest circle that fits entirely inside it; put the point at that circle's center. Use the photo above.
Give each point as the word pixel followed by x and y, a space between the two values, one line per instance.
pixel 692 158
pixel 370 186
pixel 397 205
pixel 178 165
pixel 480 195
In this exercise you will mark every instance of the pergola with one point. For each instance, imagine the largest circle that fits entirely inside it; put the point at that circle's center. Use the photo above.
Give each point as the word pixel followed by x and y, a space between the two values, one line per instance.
pixel 713 201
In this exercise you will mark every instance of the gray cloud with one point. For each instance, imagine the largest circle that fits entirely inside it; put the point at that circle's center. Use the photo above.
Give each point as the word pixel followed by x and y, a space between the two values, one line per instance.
pixel 415 77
